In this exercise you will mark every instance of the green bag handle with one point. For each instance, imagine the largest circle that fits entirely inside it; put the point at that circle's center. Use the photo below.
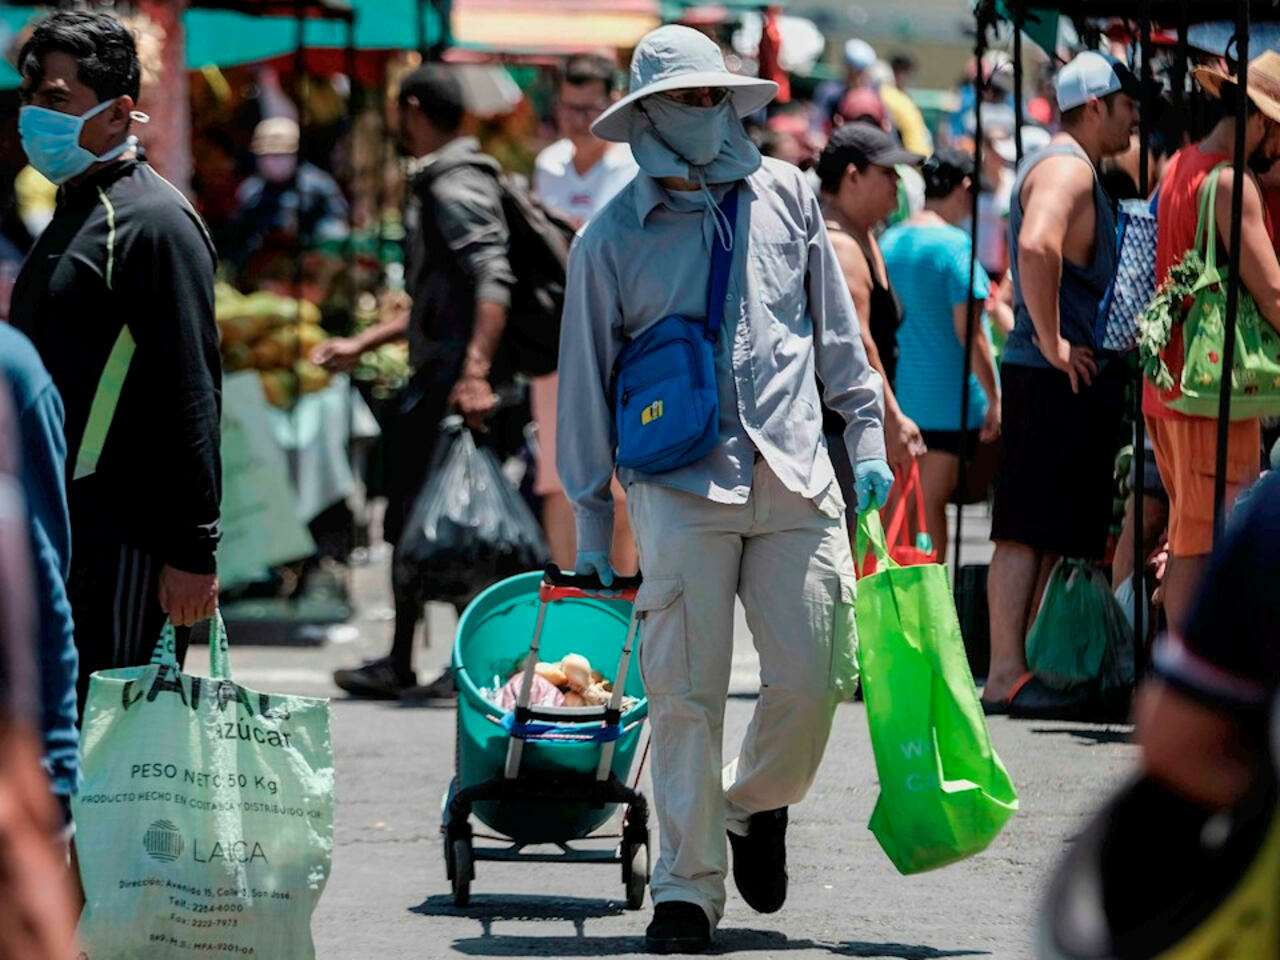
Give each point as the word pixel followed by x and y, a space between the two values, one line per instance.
pixel 165 653
pixel 1208 224
pixel 870 533
pixel 105 400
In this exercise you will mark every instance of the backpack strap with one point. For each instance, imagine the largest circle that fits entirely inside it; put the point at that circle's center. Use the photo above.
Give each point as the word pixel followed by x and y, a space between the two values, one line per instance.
pixel 105 400
pixel 721 262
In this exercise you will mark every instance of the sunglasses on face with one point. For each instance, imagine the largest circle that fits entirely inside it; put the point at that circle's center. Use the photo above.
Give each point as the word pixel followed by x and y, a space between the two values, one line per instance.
pixel 698 97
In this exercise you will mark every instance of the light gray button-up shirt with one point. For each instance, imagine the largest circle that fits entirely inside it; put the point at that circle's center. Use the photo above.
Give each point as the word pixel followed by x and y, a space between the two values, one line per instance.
pixel 788 316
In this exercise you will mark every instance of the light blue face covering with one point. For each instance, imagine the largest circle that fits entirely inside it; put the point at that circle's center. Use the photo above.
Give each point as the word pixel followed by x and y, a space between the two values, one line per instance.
pixel 703 144
pixel 52 141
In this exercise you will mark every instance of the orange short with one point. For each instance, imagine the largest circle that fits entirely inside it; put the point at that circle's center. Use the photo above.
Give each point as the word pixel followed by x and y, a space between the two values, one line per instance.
pixel 1187 455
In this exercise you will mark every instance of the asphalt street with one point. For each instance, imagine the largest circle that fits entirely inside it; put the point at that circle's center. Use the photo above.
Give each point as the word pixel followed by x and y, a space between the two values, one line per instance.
pixel 388 896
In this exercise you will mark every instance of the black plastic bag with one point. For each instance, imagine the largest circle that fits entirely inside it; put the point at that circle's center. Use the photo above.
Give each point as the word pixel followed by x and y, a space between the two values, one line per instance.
pixel 469 527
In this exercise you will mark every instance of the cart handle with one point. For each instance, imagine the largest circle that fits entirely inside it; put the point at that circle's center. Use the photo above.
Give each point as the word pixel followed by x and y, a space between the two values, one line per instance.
pixel 561 585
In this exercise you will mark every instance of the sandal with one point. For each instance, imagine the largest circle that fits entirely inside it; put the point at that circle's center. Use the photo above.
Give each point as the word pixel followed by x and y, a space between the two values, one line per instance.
pixel 1000 708
pixel 1031 699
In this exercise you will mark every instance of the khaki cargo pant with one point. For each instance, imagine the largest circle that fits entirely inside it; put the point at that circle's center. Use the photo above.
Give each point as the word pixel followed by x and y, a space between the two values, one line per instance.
pixel 788 559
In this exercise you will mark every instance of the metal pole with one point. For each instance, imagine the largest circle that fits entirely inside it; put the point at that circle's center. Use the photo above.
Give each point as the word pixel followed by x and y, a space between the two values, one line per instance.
pixel 1233 282
pixel 979 50
pixel 443 10
pixel 384 158
pixel 1181 63
pixel 299 182
pixel 1139 425
pixel 1019 21
pixel 354 103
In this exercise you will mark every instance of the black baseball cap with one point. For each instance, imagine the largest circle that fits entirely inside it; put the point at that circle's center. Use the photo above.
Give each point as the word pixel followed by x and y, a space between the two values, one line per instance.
pixel 863 145
pixel 946 170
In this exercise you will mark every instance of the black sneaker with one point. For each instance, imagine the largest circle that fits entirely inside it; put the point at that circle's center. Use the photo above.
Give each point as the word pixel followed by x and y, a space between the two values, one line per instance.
pixel 441 689
pixel 760 861
pixel 375 680
pixel 678 927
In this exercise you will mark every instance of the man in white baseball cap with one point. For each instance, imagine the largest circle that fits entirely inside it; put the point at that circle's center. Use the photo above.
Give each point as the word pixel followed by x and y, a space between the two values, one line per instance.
pixel 1092 76
pixel 713 240
pixel 1063 396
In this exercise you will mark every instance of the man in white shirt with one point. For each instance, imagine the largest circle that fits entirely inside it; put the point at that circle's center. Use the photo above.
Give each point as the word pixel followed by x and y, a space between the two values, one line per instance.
pixel 575 177
pixel 580 173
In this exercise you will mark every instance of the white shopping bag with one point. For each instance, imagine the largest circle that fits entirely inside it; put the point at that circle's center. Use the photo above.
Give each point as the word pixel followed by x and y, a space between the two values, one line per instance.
pixel 204 827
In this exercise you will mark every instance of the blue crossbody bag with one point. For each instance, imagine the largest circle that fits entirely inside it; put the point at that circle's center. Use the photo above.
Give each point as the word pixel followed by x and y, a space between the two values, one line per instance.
pixel 666 405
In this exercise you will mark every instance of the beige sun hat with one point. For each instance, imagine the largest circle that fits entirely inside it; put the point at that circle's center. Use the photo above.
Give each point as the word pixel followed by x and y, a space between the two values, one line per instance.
pixel 1264 82
pixel 679 58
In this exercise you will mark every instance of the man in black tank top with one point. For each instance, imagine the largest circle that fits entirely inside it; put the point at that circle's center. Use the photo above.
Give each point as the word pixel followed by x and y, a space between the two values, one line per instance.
pixel 1063 400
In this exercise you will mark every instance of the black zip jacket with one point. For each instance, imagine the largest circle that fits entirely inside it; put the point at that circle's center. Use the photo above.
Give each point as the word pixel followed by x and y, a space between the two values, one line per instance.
pixel 125 247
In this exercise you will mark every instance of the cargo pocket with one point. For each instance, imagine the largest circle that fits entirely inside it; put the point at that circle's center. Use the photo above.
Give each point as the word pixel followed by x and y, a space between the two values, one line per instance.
pixel 664 646
pixel 844 641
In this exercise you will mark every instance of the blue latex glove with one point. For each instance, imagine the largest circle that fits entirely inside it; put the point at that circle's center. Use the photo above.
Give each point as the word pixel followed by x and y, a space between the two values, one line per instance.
pixel 597 562
pixel 872 483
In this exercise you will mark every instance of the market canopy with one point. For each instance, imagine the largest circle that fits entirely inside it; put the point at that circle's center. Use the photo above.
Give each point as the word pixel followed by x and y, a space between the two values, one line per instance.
pixel 675 9
pixel 229 36
pixel 1216 37
pixel 552 26
pixel 1040 17
pixel 1165 11
pixel 226 33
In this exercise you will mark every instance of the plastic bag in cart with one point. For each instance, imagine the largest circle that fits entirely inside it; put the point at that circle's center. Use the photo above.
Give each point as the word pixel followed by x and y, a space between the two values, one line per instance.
pixel 469 527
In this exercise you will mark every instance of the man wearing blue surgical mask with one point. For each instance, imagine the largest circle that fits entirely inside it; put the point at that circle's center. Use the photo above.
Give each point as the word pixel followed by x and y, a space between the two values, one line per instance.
pixel 117 296
pixel 735 247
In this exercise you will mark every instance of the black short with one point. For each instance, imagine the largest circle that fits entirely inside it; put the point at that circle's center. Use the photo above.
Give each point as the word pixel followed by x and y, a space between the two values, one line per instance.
pixel 1055 486
pixel 948 441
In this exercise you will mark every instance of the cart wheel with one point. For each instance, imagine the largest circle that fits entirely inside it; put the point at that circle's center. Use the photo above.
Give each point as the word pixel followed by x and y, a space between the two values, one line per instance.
pixel 463 872
pixel 635 874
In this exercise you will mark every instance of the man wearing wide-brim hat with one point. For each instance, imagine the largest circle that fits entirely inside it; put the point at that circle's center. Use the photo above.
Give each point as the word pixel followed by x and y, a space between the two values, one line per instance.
pixel 758 514
pixel 1208 687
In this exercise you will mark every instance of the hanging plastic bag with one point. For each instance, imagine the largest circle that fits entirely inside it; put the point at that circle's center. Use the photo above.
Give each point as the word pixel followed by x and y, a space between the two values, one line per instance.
pixel 205 823
pixel 944 794
pixel 469 528
pixel 1078 622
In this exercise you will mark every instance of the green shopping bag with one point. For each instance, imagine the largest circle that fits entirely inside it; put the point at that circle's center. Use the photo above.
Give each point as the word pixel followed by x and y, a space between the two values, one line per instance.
pixel 944 794
pixel 205 823
pixel 1194 297
pixel 1077 622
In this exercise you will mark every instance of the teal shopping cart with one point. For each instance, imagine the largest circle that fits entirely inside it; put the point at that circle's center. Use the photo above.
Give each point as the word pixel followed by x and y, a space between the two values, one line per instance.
pixel 547 776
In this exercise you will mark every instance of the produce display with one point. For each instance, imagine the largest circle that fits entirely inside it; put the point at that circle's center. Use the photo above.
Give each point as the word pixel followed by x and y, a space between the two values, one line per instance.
pixel 274 335
pixel 385 371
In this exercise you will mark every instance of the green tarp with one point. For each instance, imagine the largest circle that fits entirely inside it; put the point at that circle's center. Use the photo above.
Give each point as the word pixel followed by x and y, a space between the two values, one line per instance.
pixel 1162 11
pixel 224 38
pixel 1039 25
